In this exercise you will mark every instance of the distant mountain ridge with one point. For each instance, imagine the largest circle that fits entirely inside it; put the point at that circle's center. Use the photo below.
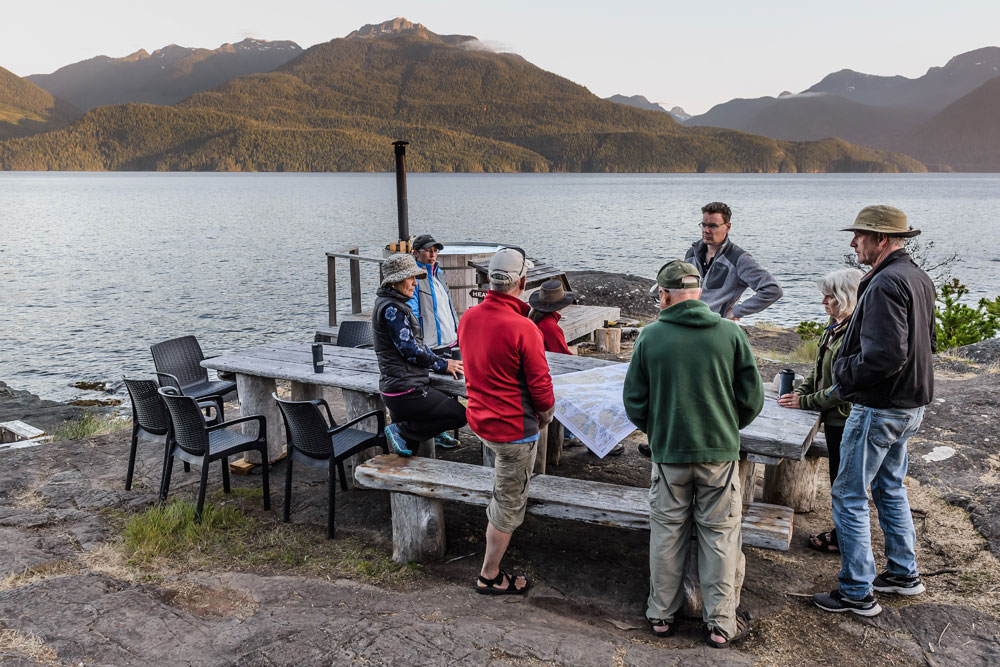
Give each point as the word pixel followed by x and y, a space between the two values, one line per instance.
pixel 340 104
pixel 877 111
pixel 640 102
pixel 164 76
pixel 399 27
pixel 27 109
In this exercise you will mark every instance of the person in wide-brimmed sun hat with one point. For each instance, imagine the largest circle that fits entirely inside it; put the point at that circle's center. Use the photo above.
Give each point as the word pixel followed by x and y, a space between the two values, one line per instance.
pixel 419 411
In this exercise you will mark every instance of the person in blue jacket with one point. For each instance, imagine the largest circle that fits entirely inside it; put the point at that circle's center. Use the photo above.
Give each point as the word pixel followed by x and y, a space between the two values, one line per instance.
pixel 431 305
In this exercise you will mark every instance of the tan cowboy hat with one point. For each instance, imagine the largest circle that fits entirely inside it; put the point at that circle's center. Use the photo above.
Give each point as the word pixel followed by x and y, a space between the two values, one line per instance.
pixel 882 219
pixel 400 267
pixel 550 297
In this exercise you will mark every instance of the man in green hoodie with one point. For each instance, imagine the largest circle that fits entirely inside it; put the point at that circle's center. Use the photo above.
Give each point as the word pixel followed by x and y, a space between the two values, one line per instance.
pixel 691 386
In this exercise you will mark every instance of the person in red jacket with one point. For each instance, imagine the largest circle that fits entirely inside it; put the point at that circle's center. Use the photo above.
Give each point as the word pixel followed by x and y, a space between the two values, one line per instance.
pixel 545 304
pixel 510 399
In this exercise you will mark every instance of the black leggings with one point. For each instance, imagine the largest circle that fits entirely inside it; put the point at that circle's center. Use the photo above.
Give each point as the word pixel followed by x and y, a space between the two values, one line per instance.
pixel 423 413
pixel 834 434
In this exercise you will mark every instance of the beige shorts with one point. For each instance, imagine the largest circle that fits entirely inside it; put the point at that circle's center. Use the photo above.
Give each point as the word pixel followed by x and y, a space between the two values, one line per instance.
pixel 512 475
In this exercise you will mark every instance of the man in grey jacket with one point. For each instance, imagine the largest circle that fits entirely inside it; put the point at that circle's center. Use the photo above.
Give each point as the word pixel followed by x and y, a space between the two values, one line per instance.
pixel 727 270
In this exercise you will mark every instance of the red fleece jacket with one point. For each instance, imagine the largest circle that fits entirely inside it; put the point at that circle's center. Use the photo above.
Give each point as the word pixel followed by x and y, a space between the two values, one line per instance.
pixel 552 334
pixel 506 376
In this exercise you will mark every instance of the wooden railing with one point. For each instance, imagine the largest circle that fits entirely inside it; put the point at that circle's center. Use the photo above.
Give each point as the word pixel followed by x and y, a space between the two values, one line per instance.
pixel 351 254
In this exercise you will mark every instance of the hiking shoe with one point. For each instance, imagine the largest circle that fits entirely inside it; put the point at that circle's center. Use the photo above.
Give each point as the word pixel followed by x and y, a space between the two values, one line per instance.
pixel 645 450
pixel 396 442
pixel 447 441
pixel 898 584
pixel 839 603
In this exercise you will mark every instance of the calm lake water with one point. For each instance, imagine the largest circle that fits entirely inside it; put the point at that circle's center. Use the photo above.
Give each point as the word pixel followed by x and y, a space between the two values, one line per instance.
pixel 97 266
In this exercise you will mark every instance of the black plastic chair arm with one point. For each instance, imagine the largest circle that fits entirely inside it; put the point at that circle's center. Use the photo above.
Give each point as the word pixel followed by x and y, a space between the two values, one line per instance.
pixel 160 376
pixel 379 416
pixel 318 402
pixel 261 426
pixel 212 401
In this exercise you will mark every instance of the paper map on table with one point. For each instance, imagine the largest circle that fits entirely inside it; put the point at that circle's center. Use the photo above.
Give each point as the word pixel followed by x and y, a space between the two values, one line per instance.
pixel 589 403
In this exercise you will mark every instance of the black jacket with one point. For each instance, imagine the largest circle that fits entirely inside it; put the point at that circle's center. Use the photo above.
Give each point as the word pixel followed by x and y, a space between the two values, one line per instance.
pixel 397 374
pixel 885 359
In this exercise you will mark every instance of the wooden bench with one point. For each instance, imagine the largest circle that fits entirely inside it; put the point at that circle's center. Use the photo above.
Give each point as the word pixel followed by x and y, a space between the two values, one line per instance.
pixel 419 487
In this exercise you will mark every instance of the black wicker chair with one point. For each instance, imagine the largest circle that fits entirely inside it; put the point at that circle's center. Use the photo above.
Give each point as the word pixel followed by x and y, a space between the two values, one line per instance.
pixel 178 364
pixel 355 333
pixel 313 442
pixel 150 420
pixel 191 439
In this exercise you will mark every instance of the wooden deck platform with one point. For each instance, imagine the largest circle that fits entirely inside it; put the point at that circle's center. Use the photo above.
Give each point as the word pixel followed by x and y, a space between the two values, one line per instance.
pixel 577 321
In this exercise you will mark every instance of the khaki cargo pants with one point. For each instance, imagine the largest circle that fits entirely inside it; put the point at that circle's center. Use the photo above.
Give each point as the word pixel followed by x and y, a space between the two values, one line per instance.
pixel 511 477
pixel 707 498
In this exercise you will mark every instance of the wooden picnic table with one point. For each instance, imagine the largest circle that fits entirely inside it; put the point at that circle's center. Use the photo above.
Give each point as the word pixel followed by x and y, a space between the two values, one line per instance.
pixel 777 433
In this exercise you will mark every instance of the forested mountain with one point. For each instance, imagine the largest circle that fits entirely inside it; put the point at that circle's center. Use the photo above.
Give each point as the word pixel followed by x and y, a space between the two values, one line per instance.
pixel 640 102
pixel 27 109
pixel 878 111
pixel 164 76
pixel 339 105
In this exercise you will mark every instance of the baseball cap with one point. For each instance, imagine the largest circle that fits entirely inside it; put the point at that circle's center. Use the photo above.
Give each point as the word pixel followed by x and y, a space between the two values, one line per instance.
pixel 509 265
pixel 676 274
pixel 425 240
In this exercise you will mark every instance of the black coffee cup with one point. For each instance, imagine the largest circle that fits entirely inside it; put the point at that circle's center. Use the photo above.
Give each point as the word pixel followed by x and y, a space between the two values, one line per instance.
pixel 786 378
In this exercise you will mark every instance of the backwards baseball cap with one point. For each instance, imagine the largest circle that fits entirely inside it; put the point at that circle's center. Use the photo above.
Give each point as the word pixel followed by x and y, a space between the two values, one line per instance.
pixel 676 274
pixel 509 265
pixel 425 240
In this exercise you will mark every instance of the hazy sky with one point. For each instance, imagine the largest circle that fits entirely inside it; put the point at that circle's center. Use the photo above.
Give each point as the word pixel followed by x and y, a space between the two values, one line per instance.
pixel 692 54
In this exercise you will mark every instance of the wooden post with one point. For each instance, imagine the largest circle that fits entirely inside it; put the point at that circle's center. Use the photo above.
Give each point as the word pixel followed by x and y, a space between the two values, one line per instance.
pixel 542 451
pixel 489 458
pixel 255 399
pixel 555 444
pixel 609 340
pixel 694 606
pixel 417 528
pixel 793 483
pixel 425 449
pixel 331 290
pixel 358 403
pixel 355 267
pixel 748 479
pixel 305 391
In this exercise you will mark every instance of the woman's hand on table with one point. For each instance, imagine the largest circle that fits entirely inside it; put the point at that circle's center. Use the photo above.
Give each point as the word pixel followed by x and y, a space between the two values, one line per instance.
pixel 455 367
pixel 789 400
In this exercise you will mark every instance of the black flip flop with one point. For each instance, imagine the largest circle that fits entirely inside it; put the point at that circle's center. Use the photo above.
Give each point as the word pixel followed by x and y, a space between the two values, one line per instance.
pixel 743 620
pixel 489 585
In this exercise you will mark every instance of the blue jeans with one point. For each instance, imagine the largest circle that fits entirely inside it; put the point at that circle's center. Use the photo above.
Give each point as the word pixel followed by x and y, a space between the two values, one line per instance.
pixel 873 454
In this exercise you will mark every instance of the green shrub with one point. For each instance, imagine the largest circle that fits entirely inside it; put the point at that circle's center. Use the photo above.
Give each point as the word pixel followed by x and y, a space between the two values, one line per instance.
pixel 959 324
pixel 809 330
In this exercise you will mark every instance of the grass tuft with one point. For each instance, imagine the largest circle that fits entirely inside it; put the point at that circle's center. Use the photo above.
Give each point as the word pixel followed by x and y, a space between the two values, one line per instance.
pixel 90 425
pixel 166 531
pixel 15 643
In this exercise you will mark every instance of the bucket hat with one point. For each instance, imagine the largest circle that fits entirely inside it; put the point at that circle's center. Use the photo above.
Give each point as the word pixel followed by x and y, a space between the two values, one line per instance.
pixel 882 219
pixel 400 267
pixel 550 297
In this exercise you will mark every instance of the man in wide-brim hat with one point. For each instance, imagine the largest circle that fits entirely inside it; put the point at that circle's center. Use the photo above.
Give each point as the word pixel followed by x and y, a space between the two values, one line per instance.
pixel 885 369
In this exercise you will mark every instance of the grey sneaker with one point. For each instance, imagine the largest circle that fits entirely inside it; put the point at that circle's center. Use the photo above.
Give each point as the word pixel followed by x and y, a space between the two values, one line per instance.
pixel 838 603
pixel 898 584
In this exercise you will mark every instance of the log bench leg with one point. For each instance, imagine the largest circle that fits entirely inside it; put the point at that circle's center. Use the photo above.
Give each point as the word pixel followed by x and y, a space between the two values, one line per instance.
pixel 693 606
pixel 255 399
pixel 417 528
pixel 793 483
pixel 357 404
pixel 748 479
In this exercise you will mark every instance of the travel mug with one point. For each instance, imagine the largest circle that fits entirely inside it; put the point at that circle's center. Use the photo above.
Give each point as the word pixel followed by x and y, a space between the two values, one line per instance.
pixel 317 350
pixel 785 379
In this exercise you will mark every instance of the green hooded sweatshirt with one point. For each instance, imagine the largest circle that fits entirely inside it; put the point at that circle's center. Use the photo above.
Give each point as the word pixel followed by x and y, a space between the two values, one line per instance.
pixel 692 385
